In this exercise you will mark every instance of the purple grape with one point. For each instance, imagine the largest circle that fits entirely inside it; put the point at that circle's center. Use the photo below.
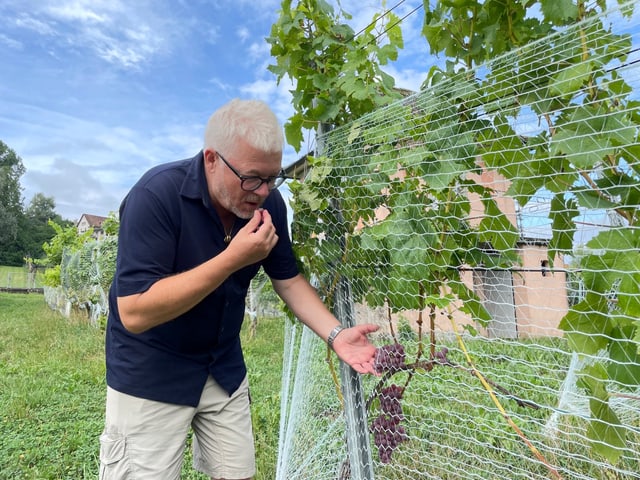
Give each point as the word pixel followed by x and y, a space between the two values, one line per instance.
pixel 390 401
pixel 441 356
pixel 389 358
pixel 386 428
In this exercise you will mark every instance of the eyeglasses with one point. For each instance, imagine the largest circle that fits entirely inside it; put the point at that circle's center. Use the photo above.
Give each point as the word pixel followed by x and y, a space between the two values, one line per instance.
pixel 251 183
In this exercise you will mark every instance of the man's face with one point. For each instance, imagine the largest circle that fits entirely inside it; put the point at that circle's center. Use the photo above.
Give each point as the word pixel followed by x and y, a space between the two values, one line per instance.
pixel 224 185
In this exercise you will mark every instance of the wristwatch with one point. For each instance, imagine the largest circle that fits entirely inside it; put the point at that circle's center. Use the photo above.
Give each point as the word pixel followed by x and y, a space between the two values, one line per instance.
pixel 334 333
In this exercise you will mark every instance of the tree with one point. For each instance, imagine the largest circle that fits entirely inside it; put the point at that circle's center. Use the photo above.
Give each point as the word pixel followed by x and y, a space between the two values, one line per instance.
pixel 111 224
pixel 42 208
pixel 22 232
pixel 35 229
pixel 11 169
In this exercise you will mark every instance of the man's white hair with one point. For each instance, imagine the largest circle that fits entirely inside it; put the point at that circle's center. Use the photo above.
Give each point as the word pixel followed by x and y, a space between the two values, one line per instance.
pixel 249 120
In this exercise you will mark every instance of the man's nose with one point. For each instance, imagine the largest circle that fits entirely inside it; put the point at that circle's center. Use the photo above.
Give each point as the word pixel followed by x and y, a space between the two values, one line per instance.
pixel 263 190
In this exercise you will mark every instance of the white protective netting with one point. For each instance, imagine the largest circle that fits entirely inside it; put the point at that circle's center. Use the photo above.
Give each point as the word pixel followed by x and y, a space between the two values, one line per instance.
pixel 85 279
pixel 441 208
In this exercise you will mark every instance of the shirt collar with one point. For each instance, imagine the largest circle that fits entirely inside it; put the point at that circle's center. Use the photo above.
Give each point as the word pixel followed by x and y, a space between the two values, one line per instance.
pixel 195 183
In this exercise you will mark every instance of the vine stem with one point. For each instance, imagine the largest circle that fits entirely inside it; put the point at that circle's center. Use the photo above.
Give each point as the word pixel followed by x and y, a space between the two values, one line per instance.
pixel 334 377
pixel 497 403
pixel 390 321
pixel 427 366
pixel 585 175
pixel 625 395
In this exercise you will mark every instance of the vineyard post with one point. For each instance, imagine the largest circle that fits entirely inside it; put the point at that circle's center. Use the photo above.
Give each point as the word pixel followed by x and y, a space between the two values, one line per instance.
pixel 357 427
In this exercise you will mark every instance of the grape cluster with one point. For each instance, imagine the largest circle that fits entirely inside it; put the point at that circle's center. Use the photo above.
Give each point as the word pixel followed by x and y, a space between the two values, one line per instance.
pixel 387 431
pixel 390 401
pixel 389 358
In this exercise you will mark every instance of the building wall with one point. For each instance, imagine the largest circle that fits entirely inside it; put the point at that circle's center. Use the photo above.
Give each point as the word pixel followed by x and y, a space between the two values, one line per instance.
pixel 83 225
pixel 541 300
pixel 538 302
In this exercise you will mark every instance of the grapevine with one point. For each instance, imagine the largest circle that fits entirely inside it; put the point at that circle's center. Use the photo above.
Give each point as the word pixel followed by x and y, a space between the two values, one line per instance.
pixel 315 48
pixel 387 428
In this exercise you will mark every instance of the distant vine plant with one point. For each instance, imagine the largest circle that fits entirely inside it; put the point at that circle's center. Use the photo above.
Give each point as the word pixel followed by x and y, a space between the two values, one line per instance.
pixel 586 156
pixel 91 263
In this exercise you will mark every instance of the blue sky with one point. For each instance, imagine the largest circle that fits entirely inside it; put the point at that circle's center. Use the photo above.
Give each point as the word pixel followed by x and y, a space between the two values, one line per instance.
pixel 95 92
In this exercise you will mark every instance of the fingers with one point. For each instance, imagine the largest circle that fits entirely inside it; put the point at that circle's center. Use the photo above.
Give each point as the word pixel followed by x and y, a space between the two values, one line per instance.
pixel 365 367
pixel 259 223
pixel 255 240
pixel 265 228
pixel 354 348
pixel 255 221
pixel 367 328
pixel 260 219
pixel 265 214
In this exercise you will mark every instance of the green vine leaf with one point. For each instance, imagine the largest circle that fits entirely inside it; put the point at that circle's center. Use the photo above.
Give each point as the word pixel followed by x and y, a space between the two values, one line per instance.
pixel 605 431
pixel 569 80
pixel 496 229
pixel 593 199
pixel 471 303
pixel 624 367
pixel 583 151
pixel 563 226
pixel 559 12
pixel 587 325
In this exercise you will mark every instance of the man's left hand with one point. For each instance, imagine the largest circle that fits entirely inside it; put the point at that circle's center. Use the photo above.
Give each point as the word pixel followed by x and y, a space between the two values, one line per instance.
pixel 353 347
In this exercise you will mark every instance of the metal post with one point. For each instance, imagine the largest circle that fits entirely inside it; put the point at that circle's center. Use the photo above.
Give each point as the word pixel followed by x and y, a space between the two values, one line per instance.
pixel 357 428
pixel 360 463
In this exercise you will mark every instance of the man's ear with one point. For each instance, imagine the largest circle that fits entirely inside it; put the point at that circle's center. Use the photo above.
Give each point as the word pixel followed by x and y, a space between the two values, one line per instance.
pixel 210 158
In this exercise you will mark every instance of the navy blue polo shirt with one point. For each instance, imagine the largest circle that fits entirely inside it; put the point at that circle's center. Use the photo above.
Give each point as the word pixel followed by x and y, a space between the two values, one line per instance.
pixel 167 226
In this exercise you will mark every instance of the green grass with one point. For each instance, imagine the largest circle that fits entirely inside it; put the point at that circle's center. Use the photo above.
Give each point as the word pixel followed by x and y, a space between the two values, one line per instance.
pixel 18 277
pixel 52 393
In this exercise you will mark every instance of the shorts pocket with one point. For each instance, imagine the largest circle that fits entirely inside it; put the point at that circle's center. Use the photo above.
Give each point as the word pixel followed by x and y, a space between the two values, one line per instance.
pixel 113 459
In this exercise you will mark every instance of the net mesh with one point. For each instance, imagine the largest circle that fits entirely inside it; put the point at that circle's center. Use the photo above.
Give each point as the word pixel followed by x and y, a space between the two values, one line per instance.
pixel 440 211
pixel 85 278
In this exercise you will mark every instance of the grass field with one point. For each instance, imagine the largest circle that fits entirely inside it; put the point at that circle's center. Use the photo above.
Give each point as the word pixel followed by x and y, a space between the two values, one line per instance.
pixel 18 277
pixel 52 392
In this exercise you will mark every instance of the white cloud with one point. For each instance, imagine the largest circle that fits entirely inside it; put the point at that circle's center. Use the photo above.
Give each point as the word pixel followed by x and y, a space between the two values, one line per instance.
pixel 244 34
pixel 127 35
pixel 260 89
pixel 73 185
pixel 10 42
pixel 35 25
pixel 81 11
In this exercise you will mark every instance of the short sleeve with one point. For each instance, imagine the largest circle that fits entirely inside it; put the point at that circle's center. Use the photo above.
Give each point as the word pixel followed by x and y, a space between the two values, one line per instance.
pixel 146 242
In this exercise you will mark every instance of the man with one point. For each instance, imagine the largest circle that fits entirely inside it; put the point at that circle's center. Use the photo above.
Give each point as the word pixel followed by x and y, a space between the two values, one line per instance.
pixel 193 234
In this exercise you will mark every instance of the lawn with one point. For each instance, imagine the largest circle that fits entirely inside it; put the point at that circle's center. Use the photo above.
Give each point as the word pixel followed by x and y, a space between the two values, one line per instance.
pixel 52 392
pixel 18 277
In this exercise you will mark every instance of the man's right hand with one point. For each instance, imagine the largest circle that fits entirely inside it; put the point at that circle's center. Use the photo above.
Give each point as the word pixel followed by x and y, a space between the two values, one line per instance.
pixel 255 240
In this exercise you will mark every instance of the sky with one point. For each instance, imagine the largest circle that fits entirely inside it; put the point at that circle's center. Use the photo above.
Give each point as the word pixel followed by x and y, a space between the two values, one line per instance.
pixel 95 92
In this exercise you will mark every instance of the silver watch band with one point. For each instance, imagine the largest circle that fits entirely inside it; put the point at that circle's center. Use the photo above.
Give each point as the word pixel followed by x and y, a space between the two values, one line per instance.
pixel 334 333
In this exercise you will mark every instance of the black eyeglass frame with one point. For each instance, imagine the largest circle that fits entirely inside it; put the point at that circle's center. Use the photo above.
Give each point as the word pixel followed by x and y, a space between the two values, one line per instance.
pixel 272 182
